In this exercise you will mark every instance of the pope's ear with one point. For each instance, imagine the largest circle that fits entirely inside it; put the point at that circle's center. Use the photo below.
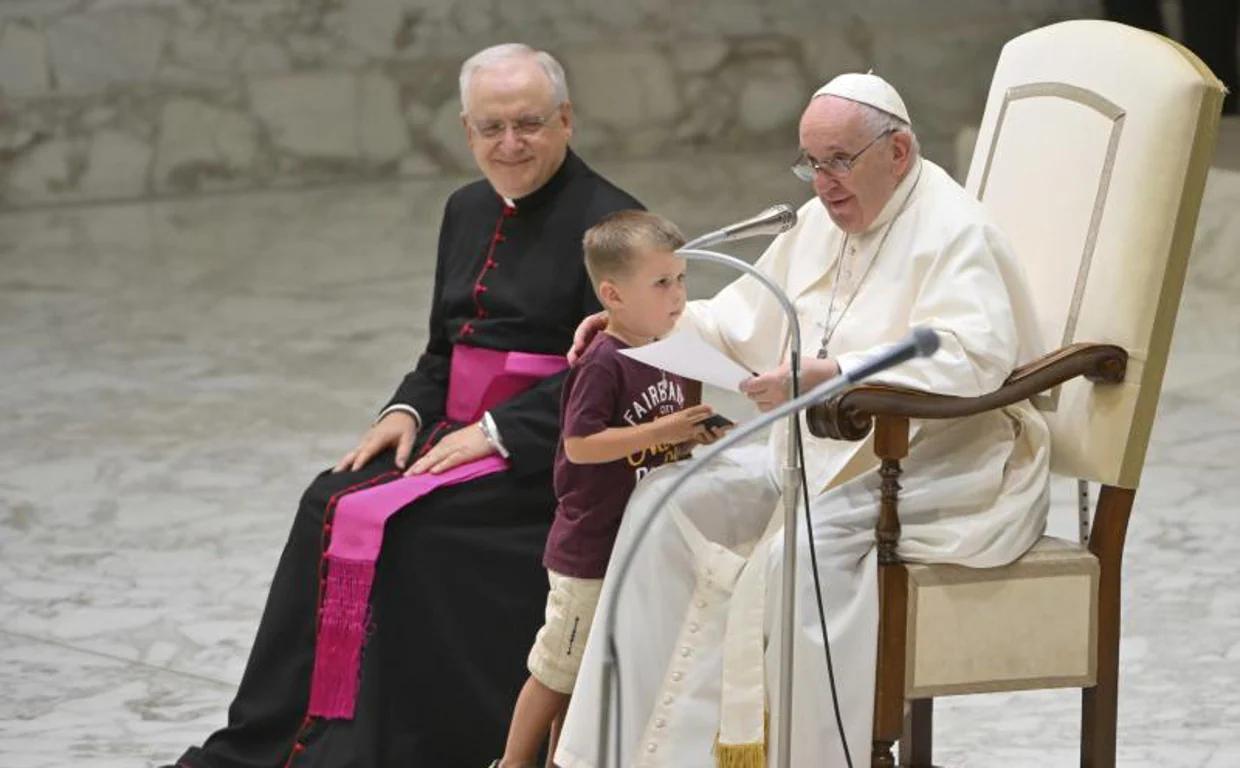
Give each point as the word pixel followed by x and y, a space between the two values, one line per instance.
pixel 901 149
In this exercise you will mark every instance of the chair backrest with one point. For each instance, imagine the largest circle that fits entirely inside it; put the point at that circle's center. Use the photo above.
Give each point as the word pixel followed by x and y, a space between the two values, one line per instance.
pixel 1092 157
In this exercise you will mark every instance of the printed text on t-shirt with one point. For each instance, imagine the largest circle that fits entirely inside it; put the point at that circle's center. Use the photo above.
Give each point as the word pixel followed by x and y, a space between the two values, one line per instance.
pixel 659 399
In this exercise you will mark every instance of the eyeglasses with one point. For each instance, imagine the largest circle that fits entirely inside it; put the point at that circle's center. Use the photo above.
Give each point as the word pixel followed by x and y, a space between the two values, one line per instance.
pixel 525 126
pixel 838 165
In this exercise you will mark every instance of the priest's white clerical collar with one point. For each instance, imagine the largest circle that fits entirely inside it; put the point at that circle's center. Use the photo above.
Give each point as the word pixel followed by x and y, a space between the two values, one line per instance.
pixel 898 198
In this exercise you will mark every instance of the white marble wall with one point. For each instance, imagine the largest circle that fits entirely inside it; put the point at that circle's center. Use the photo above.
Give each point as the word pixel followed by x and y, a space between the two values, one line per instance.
pixel 114 99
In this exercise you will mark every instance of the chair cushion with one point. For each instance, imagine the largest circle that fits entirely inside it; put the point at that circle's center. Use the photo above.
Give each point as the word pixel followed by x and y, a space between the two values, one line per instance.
pixel 1031 624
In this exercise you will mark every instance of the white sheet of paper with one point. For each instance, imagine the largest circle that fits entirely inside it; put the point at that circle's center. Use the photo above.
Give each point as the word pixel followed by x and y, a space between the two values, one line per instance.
pixel 687 354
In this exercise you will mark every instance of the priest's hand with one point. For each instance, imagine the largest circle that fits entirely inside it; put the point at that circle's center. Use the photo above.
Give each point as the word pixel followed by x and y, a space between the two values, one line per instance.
pixel 462 446
pixel 398 429
pixel 585 334
pixel 770 389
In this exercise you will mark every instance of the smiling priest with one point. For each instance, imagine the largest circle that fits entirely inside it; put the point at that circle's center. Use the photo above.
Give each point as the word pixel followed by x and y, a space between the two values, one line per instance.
pixel 411 584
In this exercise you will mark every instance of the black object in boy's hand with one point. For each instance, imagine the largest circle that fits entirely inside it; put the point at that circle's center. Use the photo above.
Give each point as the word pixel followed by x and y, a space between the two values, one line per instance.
pixel 716 421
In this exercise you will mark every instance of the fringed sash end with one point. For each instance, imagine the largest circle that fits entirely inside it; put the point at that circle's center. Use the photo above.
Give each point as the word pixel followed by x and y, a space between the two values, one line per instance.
pixel 739 755
pixel 342 632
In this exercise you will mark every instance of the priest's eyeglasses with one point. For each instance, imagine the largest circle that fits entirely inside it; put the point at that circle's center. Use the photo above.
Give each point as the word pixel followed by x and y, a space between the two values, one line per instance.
pixel 838 165
pixel 525 126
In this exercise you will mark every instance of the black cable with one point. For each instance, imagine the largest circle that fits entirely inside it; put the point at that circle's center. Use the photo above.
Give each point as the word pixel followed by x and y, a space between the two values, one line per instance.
pixel 822 613
pixel 794 365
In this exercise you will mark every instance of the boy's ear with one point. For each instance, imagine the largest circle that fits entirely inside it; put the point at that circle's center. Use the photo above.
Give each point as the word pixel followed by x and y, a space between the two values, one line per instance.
pixel 608 294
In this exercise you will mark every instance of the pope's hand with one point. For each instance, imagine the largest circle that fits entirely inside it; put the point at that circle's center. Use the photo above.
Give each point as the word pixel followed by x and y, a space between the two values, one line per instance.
pixel 770 389
pixel 585 334
pixel 460 447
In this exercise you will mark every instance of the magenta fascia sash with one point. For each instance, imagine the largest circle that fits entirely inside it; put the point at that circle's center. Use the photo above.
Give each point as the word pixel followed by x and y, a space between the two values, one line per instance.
pixel 480 379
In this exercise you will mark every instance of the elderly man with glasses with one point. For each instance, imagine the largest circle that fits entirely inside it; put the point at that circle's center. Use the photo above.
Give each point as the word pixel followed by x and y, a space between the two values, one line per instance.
pixel 889 243
pixel 403 606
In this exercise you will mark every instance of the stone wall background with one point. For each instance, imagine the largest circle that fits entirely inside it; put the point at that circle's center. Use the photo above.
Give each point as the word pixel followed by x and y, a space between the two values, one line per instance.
pixel 123 99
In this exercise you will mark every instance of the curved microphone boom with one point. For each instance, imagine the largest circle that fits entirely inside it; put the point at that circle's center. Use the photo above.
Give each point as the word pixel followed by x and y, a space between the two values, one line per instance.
pixel 692 253
pixel 773 221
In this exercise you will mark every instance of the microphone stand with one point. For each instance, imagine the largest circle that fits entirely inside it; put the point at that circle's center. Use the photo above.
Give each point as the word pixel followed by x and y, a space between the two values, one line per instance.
pixel 791 490
pixel 923 342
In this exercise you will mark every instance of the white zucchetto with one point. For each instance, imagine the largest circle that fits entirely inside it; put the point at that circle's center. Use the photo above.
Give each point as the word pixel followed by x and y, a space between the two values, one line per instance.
pixel 867 89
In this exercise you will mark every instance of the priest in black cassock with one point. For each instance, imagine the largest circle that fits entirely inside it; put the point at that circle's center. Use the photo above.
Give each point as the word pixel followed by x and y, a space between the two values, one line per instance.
pixel 439 629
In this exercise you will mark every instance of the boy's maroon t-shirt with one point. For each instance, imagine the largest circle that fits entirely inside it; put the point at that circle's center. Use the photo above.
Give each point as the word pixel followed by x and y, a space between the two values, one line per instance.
pixel 604 389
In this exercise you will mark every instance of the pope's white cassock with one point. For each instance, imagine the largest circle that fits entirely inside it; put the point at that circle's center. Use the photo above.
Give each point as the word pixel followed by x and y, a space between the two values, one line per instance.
pixel 975 490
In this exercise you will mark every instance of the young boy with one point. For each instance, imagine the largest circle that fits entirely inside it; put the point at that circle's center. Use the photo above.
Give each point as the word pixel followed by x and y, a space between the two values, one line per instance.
pixel 620 419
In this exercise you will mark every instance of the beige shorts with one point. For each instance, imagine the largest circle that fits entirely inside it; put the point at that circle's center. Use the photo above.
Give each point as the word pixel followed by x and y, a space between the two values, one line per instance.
pixel 556 655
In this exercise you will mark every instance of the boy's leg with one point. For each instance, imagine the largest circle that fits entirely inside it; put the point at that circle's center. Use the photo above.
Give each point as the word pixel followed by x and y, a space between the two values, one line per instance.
pixel 553 662
pixel 537 708
pixel 553 741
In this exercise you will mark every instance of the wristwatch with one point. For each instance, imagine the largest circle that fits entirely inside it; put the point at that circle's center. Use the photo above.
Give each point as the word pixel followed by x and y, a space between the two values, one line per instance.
pixel 491 433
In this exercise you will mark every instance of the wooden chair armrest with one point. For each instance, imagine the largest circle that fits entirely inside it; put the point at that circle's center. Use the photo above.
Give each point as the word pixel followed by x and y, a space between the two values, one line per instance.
pixel 850 414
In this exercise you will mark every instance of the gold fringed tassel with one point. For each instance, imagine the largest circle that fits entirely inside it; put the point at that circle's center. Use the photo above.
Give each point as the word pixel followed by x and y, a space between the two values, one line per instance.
pixel 740 755
pixel 744 755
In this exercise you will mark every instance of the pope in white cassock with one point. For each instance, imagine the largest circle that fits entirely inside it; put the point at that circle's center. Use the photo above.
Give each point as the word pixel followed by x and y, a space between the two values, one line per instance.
pixel 891 242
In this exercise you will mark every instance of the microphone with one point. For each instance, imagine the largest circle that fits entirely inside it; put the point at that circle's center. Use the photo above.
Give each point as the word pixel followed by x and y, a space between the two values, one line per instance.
pixel 922 342
pixel 772 221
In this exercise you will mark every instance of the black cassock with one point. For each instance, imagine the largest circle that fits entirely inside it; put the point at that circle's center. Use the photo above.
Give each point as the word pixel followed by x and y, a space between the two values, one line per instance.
pixel 459 586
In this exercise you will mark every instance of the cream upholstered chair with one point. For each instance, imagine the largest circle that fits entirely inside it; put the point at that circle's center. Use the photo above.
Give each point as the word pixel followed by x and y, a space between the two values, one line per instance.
pixel 1092 157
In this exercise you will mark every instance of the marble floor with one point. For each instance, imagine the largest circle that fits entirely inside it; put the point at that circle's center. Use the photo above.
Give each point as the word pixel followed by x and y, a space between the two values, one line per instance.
pixel 175 372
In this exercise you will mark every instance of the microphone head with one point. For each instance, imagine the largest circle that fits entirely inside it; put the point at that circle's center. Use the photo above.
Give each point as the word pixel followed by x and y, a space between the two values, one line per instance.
pixel 772 221
pixel 926 341
pixel 783 216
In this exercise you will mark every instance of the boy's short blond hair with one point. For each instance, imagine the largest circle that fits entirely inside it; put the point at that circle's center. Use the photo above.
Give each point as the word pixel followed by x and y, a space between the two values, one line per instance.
pixel 610 245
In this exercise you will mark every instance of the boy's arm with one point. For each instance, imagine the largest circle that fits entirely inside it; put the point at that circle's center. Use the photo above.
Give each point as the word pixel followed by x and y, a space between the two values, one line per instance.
pixel 614 443
pixel 611 444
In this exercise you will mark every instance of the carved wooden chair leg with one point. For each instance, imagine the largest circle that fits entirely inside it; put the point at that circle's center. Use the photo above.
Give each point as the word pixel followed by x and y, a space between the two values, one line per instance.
pixel 889 690
pixel 917 744
pixel 891 445
pixel 1100 704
